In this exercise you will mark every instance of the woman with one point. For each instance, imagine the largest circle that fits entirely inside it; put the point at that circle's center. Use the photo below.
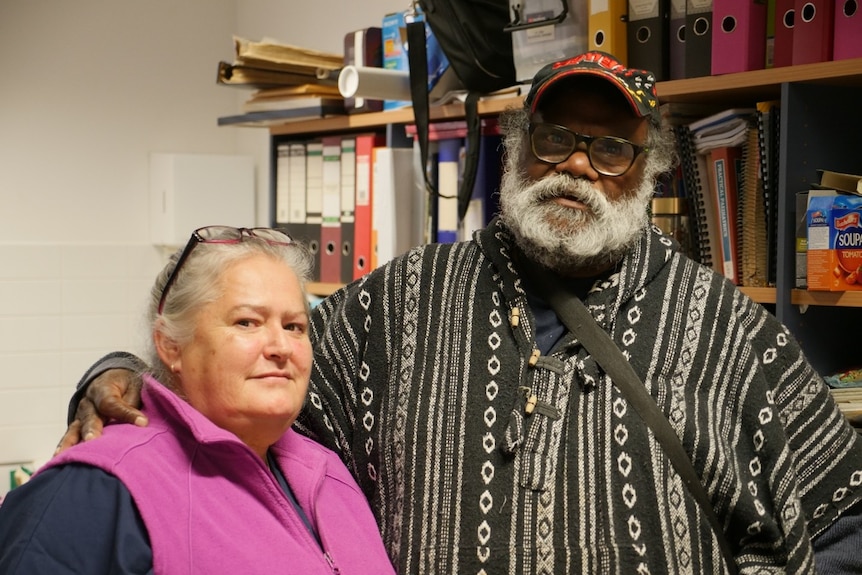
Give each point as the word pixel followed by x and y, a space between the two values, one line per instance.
pixel 218 482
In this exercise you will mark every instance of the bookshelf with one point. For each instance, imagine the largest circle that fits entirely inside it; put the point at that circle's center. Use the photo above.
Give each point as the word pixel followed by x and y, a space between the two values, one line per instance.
pixel 375 120
pixel 729 89
pixel 819 121
pixel 747 87
pixel 323 289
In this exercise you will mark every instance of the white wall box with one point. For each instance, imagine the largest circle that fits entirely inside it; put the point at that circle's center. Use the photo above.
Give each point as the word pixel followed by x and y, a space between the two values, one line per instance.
pixel 189 191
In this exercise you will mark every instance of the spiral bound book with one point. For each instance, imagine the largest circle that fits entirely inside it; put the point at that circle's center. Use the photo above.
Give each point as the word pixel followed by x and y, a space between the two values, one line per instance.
pixel 753 217
pixel 768 143
pixel 694 174
pixel 745 205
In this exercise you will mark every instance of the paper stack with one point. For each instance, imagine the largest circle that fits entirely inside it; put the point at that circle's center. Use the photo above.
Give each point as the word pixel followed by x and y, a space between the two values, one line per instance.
pixel 727 128
pixel 293 97
pixel 269 64
pixel 290 82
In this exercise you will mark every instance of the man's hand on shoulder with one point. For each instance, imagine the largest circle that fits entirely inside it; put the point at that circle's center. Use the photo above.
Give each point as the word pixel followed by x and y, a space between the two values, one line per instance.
pixel 115 394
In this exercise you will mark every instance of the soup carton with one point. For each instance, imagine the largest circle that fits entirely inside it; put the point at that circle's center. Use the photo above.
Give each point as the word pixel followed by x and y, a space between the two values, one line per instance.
pixel 834 241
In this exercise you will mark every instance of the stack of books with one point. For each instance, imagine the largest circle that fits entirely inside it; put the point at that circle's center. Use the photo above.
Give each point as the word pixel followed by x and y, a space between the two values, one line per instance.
pixel 720 155
pixel 289 82
pixel 846 388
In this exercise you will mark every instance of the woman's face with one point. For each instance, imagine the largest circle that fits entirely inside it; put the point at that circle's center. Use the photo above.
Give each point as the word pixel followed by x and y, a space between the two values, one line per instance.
pixel 248 363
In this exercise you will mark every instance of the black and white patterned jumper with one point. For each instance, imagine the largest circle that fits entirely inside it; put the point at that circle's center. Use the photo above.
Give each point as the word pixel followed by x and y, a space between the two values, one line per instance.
pixel 420 380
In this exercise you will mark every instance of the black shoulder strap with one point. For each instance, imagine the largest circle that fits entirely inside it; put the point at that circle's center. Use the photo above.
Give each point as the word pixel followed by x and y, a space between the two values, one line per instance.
pixel 575 316
pixel 418 62
pixel 471 160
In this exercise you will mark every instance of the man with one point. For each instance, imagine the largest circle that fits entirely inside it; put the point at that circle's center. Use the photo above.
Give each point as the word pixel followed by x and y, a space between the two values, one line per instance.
pixel 489 441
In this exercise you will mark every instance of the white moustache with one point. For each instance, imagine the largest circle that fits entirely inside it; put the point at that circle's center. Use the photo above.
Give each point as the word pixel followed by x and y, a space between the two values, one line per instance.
pixel 565 186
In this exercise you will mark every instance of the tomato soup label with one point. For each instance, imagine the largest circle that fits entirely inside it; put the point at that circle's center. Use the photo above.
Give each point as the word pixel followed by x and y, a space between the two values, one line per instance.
pixel 834 242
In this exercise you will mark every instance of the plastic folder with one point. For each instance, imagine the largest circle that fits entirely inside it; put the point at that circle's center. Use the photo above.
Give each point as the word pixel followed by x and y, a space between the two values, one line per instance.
pixel 607 27
pixel 698 38
pixel 647 37
pixel 739 36
pixel 847 41
pixel 812 32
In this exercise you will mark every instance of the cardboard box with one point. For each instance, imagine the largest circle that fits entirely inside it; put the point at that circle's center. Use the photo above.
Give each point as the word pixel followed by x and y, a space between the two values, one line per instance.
pixel 850 183
pixel 834 255
pixel 441 76
pixel 394 38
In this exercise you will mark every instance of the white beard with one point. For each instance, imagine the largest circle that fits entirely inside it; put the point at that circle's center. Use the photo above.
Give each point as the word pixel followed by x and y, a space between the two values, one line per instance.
pixel 569 240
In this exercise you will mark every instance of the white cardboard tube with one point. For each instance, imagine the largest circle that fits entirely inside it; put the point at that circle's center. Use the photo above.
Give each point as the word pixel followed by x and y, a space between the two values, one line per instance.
pixel 374 83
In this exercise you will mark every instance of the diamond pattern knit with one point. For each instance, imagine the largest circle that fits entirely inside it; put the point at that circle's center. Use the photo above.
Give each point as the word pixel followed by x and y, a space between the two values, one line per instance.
pixel 421 378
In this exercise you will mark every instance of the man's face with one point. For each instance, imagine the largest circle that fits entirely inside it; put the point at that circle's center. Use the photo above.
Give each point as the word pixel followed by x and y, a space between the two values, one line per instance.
pixel 567 216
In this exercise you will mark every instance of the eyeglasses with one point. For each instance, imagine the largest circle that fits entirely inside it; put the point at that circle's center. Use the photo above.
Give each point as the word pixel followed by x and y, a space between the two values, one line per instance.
pixel 608 155
pixel 221 235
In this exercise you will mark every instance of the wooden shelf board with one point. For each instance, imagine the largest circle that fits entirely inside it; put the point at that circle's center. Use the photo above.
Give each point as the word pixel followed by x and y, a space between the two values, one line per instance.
pixel 342 123
pixel 760 84
pixel 760 294
pixel 377 119
pixel 830 298
pixel 322 289
pixel 730 89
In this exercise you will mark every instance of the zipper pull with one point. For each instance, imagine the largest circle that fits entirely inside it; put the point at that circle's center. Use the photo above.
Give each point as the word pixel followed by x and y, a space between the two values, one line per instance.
pixel 332 566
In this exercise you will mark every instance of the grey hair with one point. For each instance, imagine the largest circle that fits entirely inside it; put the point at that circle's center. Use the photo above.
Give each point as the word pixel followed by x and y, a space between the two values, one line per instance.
pixel 660 159
pixel 197 285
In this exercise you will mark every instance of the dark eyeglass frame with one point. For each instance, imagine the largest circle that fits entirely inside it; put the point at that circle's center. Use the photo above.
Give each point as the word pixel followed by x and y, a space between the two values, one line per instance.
pixel 588 141
pixel 199 237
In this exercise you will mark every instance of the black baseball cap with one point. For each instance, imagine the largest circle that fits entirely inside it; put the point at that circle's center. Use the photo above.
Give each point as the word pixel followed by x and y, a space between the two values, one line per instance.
pixel 638 86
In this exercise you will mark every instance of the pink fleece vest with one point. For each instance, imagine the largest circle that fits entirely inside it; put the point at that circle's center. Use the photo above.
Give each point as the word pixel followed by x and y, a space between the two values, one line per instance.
pixel 211 505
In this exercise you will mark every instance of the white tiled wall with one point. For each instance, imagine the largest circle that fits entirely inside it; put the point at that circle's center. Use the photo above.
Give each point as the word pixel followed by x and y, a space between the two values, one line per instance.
pixel 64 304
pixel 61 308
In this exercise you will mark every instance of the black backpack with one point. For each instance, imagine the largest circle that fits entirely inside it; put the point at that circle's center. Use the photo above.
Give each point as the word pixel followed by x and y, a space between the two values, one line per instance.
pixel 473 35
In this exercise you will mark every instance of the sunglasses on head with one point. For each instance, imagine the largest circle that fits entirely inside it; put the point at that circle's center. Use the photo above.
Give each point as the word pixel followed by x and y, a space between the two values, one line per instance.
pixel 221 235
